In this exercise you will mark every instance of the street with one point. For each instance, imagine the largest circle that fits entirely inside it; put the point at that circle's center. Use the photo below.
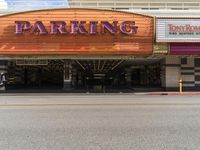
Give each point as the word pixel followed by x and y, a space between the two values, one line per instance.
pixel 99 122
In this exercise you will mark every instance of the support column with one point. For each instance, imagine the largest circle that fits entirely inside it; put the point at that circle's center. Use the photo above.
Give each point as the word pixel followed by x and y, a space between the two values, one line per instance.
pixel 197 72
pixel 3 69
pixel 163 73
pixel 67 76
pixel 128 77
pixel 170 73
pixel 188 72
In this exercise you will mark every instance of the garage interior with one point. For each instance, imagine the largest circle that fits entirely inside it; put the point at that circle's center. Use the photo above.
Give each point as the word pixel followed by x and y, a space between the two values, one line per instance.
pixel 85 75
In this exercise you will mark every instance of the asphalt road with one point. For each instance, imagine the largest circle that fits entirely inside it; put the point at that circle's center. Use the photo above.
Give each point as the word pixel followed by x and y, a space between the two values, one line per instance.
pixel 99 122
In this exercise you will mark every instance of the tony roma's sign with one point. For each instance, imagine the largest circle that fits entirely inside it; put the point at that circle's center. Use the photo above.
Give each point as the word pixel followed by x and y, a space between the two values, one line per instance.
pixel 76 32
pixel 76 27
pixel 177 30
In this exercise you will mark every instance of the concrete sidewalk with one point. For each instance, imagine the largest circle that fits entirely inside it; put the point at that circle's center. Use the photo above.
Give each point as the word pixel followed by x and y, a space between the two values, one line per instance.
pixel 172 93
pixel 42 99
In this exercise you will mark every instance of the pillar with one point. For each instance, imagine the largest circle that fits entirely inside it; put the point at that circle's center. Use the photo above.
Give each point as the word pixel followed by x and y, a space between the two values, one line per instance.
pixel 128 76
pixel 197 72
pixel 67 76
pixel 188 72
pixel 170 73
pixel 3 69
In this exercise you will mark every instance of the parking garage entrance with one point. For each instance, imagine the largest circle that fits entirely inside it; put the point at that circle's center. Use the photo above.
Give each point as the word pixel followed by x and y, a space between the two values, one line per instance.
pixel 61 42
pixel 116 75
pixel 84 75
pixel 35 75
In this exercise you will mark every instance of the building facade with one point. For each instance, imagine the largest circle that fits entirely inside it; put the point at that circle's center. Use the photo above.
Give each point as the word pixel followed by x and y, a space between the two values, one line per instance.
pixel 103 46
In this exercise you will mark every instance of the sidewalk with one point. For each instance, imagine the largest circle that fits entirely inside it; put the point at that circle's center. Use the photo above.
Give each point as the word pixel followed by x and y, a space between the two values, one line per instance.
pixel 78 93
pixel 91 99
pixel 173 93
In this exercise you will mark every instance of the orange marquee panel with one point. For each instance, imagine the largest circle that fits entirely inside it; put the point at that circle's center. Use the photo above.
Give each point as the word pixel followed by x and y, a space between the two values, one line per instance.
pixel 139 43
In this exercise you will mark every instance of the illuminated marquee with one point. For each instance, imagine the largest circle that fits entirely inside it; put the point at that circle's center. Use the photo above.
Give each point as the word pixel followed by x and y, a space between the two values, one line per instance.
pixel 76 27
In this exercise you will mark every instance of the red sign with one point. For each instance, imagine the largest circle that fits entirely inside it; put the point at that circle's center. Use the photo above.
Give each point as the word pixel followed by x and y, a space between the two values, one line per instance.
pixel 184 28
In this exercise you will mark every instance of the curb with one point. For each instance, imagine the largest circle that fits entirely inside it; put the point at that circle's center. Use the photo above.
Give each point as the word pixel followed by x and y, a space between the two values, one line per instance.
pixel 174 93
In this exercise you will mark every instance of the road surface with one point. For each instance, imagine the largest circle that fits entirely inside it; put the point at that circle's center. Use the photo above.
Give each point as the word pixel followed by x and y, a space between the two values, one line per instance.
pixel 99 122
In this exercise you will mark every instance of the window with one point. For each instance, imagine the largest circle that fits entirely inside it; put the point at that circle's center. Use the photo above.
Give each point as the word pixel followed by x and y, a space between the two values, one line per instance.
pixel 183 61
pixel 197 62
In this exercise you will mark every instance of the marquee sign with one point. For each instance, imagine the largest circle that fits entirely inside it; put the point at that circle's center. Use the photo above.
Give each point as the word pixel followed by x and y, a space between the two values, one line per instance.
pixel 59 27
pixel 177 30
pixel 76 32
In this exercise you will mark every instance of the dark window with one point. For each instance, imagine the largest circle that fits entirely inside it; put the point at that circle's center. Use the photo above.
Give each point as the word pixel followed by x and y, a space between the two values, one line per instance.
pixel 197 78
pixel 183 61
pixel 177 8
pixel 122 8
pixel 197 62
pixel 154 8
pixel 3 62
